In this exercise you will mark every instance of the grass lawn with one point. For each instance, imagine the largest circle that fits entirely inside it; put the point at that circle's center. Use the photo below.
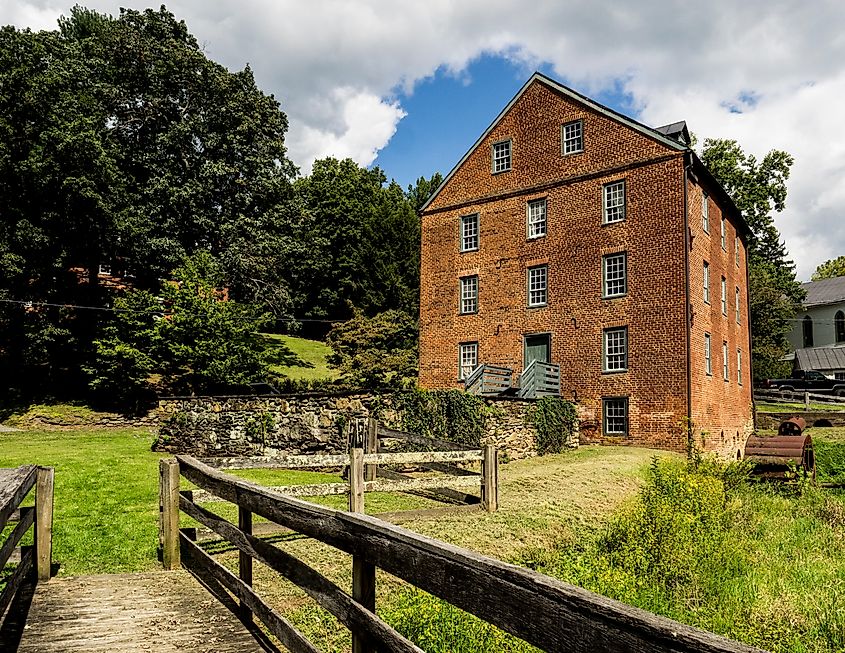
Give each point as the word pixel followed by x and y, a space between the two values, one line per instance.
pixel 787 406
pixel 306 361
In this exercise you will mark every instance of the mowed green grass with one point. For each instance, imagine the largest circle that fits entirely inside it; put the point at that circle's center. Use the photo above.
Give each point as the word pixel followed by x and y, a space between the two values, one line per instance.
pixel 308 362
pixel 106 494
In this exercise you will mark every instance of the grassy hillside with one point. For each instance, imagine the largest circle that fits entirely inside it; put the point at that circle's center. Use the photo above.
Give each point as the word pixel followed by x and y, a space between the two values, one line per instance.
pixel 305 360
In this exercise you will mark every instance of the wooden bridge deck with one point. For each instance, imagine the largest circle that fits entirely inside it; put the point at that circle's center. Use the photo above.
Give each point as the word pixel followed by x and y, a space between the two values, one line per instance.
pixel 158 612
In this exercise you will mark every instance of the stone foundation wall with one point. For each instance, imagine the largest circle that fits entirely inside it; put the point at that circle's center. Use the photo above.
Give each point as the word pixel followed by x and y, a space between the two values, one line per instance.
pixel 307 424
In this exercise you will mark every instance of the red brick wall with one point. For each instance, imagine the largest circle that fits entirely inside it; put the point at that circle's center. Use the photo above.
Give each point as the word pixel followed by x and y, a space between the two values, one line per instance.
pixel 652 235
pixel 721 410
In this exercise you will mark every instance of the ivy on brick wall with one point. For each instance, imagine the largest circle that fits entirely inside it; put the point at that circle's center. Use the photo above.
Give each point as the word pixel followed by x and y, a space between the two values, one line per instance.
pixel 452 415
pixel 555 419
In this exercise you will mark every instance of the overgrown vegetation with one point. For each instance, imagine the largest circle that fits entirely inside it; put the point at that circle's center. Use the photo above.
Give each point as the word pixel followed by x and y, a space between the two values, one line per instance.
pixel 701 545
pixel 452 415
pixel 555 419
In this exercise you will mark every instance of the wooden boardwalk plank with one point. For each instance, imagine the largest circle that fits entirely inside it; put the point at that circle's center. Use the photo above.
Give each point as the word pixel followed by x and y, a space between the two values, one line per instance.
pixel 159 612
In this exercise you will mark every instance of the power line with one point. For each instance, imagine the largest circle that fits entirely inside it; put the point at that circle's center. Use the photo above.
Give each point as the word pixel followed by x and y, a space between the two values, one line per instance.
pixel 107 309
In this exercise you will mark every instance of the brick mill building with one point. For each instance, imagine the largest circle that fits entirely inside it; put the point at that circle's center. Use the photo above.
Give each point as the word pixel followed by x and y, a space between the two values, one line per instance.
pixel 572 234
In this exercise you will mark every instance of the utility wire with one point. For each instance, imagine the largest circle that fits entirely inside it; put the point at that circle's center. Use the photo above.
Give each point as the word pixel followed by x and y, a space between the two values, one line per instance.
pixel 107 309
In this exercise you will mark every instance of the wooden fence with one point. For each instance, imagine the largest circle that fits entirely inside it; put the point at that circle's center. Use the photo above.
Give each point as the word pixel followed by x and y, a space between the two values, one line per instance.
pixel 15 484
pixel 793 396
pixel 452 483
pixel 549 614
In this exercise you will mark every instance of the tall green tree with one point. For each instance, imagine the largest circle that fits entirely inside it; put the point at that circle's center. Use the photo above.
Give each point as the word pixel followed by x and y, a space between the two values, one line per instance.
pixel 122 143
pixel 186 340
pixel 830 269
pixel 759 190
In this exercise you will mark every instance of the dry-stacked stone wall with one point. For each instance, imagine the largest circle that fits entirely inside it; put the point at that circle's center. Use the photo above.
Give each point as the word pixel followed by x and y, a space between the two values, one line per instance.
pixel 307 424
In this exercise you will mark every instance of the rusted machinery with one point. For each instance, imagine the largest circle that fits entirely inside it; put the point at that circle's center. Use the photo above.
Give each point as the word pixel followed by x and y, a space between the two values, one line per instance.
pixel 778 455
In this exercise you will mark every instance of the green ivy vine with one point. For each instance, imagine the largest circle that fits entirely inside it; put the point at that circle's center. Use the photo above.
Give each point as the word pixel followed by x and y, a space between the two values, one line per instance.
pixel 452 415
pixel 554 419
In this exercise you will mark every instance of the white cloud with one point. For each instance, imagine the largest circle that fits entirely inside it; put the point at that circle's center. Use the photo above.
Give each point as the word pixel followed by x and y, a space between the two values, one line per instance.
pixel 334 65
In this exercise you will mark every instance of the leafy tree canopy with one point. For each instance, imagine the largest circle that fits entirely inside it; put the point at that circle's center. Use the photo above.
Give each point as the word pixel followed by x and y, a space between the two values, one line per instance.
pixel 758 188
pixel 187 340
pixel 830 269
pixel 376 352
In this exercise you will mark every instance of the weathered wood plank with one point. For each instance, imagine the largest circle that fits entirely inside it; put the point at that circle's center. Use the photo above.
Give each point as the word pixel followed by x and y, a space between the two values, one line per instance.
pixel 169 502
pixel 27 519
pixel 204 566
pixel 152 612
pixel 278 462
pixel 14 583
pixel 415 457
pixel 331 597
pixel 15 484
pixel 44 522
pixel 244 560
pixel 490 479
pixel 371 446
pixel 363 572
pixel 422 440
pixel 423 483
pixel 545 612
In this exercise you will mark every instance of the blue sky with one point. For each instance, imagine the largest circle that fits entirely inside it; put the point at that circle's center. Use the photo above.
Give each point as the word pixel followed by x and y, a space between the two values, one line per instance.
pixel 447 112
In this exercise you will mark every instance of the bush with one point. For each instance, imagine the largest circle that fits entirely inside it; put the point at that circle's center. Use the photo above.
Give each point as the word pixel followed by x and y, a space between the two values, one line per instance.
pixel 555 419
pixel 452 415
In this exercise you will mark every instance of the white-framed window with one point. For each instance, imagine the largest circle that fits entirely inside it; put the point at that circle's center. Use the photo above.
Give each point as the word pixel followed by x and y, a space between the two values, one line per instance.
pixel 739 366
pixel 724 234
pixel 839 376
pixel 536 210
pixel 615 413
pixel 469 294
pixel 469 233
pixel 613 196
pixel 501 156
pixel 724 289
pixel 105 268
pixel 705 212
pixel 572 137
pixel 736 250
pixel 725 360
pixel 616 349
pixel 708 359
pixel 538 277
pixel 467 359
pixel 706 282
pixel 614 275
pixel 736 296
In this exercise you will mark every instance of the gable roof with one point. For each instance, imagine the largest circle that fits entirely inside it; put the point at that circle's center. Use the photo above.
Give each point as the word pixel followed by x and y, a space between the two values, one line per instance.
pixel 583 99
pixel 824 291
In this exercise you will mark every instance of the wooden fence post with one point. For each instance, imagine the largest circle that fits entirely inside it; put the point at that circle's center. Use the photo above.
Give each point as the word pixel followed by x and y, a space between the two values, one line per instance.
pixel 807 401
pixel 44 522
pixel 363 573
pixel 169 524
pixel 244 559
pixel 371 446
pixel 490 479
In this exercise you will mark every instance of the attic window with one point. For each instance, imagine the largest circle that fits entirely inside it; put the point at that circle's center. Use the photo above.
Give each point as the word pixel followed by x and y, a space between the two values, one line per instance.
pixel 572 137
pixel 501 156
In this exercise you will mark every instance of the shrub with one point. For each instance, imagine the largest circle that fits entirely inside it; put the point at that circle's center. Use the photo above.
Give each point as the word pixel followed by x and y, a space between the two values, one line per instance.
pixel 555 419
pixel 452 415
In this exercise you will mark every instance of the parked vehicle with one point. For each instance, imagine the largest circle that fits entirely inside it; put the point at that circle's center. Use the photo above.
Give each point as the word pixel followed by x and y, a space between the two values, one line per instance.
pixel 807 381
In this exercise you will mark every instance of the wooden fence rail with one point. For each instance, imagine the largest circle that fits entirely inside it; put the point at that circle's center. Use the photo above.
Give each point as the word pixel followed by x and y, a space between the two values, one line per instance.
pixel 15 484
pixel 793 396
pixel 547 613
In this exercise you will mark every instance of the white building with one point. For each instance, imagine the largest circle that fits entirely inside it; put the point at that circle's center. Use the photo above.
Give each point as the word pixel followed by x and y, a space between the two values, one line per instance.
pixel 818 334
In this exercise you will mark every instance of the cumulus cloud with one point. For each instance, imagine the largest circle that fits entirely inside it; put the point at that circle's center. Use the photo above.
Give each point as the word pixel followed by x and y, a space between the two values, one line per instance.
pixel 770 74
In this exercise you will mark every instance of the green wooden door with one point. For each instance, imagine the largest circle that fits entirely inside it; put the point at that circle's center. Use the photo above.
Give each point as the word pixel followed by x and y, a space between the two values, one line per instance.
pixel 538 347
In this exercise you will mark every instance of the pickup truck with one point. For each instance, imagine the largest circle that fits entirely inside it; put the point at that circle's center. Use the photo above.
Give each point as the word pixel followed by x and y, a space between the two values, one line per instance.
pixel 807 381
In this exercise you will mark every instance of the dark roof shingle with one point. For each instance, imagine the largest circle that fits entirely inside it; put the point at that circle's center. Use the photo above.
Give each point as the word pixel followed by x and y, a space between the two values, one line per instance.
pixel 821 358
pixel 824 291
